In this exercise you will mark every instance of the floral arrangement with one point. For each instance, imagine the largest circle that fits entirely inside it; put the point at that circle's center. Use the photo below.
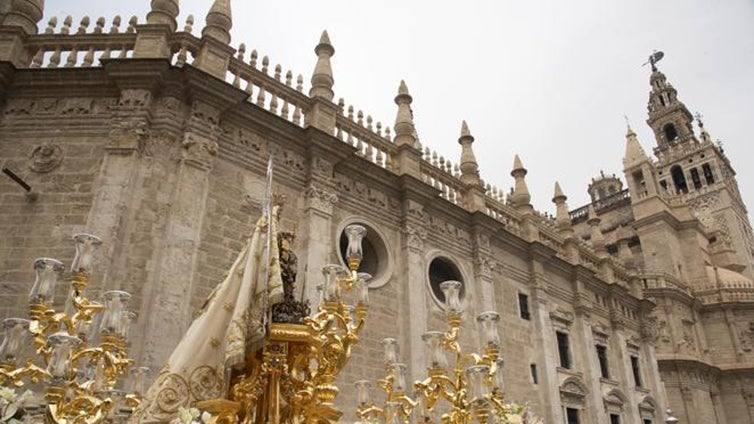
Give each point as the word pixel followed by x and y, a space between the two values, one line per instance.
pixel 513 413
pixel 192 416
pixel 11 405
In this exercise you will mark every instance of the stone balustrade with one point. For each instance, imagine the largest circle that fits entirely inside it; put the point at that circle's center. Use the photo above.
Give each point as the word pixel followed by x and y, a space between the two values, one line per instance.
pixel 371 142
pixel 83 47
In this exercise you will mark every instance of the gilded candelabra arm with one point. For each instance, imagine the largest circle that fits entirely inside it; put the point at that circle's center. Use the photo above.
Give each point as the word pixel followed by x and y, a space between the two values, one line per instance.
pixel 16 377
pixel 368 412
pixel 436 386
pixel 82 409
pixel 85 310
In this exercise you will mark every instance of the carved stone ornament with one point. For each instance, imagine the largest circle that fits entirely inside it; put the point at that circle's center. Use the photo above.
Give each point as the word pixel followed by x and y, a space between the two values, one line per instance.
pixel 134 99
pixel 76 106
pixel 128 135
pixel 320 199
pixel 561 317
pixel 573 391
pixel 199 150
pixel 484 267
pixel 45 157
pixel 649 328
pixel 600 333
pixel 415 237
pixel 746 337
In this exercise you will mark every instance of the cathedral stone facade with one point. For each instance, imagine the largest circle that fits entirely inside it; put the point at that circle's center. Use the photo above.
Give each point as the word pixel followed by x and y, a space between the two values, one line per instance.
pixel 157 141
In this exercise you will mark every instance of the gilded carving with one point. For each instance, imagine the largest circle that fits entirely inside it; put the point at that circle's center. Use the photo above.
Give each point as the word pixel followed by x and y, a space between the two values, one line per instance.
pixel 45 157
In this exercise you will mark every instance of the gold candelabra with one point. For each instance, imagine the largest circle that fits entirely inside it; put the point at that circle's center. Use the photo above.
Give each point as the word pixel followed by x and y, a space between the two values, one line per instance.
pixel 472 388
pixel 290 379
pixel 80 353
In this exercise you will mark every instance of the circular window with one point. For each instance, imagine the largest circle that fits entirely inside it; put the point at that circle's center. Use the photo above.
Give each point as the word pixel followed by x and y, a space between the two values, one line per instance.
pixel 443 269
pixel 376 259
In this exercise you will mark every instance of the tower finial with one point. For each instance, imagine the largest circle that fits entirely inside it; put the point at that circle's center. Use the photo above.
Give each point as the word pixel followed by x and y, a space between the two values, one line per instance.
pixel 405 133
pixel 164 12
pixel 628 124
pixel 634 152
pixel 469 166
pixel 219 20
pixel 322 78
pixel 699 117
pixel 597 238
pixel 562 217
pixel 24 14
pixel 521 198
pixel 655 57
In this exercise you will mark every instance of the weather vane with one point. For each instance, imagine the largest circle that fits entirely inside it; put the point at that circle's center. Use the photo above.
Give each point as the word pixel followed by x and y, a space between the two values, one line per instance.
pixel 655 57
pixel 628 123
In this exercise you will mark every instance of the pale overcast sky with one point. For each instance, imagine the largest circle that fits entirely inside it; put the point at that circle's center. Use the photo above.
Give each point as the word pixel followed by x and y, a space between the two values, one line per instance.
pixel 549 80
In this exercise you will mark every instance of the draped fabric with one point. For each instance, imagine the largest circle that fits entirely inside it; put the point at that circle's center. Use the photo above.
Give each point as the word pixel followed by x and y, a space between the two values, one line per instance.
pixel 229 324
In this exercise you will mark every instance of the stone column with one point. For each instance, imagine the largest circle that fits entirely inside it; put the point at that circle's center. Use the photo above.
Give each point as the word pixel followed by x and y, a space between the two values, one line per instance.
pixel 484 265
pixel 317 238
pixel 414 268
pixel 170 295
pixel 591 366
pixel 114 187
pixel 544 336
pixel 625 373
pixel 117 185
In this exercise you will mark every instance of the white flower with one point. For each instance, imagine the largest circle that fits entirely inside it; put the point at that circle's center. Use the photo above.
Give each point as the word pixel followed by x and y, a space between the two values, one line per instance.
pixel 515 419
pixel 7 394
pixel 206 417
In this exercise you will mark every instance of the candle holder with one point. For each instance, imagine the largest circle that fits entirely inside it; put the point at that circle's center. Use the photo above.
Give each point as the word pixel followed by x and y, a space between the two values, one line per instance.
pixel 81 352
pixel 469 390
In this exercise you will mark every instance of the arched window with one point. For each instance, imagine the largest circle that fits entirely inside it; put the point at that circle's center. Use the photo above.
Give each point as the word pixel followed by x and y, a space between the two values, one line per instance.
pixel 679 179
pixel 707 171
pixel 670 133
pixel 376 260
pixel 442 269
pixel 601 192
pixel 695 179
pixel 611 190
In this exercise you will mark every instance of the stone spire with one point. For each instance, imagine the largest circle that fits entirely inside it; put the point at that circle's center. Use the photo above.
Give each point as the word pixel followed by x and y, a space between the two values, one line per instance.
pixel 322 78
pixel 704 135
pixel 219 21
pixel 469 166
pixel 404 119
pixel 521 198
pixel 668 117
pixel 25 14
pixel 634 152
pixel 562 218
pixel 597 239
pixel 163 12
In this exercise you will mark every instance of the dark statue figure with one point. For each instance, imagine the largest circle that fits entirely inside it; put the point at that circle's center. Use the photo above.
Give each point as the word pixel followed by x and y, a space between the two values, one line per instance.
pixel 289 310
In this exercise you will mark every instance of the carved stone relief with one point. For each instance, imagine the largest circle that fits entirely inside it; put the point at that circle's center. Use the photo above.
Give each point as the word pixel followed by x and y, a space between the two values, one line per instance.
pixel 45 157
pixel 251 140
pixel 320 199
pixel 415 236
pixel 76 106
pixel 746 336
pixel 199 150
